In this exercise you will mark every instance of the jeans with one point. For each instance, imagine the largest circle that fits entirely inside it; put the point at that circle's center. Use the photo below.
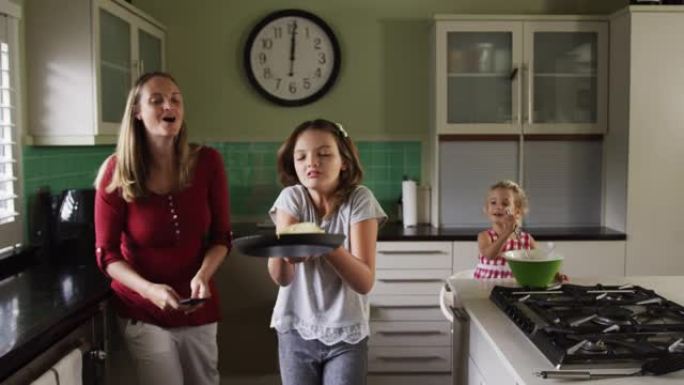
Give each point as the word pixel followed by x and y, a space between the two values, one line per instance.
pixel 310 362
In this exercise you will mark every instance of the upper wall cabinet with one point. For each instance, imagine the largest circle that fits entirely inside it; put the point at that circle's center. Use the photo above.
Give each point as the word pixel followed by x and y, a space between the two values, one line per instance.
pixel 83 57
pixel 513 75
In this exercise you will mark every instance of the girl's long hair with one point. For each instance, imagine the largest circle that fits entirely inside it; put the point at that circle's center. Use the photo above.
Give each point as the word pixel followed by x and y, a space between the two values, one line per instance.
pixel 350 177
pixel 132 151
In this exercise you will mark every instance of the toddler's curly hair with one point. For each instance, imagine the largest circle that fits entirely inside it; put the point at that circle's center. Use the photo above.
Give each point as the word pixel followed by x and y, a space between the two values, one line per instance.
pixel 518 192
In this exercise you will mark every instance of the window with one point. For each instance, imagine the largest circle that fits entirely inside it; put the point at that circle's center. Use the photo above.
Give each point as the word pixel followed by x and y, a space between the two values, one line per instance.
pixel 11 224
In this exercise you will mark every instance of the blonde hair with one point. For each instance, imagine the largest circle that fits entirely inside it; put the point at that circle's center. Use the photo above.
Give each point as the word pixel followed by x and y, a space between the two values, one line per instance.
pixel 349 178
pixel 520 198
pixel 132 153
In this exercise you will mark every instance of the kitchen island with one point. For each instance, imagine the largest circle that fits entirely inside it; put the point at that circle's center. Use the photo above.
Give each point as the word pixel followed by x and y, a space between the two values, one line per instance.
pixel 500 353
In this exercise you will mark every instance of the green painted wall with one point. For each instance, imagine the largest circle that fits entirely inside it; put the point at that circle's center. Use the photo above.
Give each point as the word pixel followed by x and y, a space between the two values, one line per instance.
pixel 382 91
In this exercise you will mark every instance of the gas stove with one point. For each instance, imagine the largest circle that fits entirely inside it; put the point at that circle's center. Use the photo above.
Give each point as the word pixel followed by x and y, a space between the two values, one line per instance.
pixel 594 326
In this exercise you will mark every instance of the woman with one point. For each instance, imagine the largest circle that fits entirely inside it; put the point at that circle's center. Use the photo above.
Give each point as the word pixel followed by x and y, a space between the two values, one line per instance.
pixel 162 230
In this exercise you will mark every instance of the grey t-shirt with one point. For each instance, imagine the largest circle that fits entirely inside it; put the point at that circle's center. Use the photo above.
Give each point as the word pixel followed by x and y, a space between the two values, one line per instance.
pixel 317 303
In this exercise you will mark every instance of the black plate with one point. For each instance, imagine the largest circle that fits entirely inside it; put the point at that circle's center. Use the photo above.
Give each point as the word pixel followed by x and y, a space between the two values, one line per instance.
pixel 288 245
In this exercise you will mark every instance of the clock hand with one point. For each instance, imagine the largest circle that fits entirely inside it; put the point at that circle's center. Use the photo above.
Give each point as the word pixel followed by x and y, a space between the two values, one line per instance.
pixel 293 42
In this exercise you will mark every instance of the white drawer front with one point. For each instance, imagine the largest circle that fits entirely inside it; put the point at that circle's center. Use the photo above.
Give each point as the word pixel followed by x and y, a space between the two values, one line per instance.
pixel 433 333
pixel 409 359
pixel 412 282
pixel 413 255
pixel 409 379
pixel 414 301
pixel 406 314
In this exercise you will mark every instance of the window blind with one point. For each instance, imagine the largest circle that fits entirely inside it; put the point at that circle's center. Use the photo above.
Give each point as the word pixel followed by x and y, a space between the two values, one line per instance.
pixel 10 168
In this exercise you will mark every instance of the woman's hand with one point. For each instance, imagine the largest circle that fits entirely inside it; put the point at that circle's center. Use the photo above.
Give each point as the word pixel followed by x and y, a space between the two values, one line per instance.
pixel 163 296
pixel 199 288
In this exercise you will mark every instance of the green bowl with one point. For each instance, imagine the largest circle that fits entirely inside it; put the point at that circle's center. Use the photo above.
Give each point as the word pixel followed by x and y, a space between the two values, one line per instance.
pixel 533 268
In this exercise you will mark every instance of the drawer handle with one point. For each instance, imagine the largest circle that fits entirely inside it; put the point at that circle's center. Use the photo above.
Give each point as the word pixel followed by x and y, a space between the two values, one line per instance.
pixel 400 252
pixel 410 332
pixel 410 358
pixel 410 280
pixel 406 306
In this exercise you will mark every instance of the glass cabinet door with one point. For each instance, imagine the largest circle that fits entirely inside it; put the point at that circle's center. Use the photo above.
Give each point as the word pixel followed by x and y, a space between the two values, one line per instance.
pixel 480 76
pixel 150 52
pixel 115 66
pixel 479 66
pixel 566 77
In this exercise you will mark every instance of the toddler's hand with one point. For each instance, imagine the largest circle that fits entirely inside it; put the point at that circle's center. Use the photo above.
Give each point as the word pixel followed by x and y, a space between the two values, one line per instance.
pixel 510 222
pixel 561 278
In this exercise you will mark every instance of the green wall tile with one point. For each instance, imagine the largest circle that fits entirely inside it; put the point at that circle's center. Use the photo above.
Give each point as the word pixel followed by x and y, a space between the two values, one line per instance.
pixel 251 169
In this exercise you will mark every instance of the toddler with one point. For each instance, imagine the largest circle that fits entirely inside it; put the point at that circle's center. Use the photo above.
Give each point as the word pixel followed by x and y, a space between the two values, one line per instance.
pixel 505 206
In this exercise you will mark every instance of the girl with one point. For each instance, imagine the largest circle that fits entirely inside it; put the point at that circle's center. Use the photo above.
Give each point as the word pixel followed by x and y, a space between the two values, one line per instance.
pixel 321 314
pixel 162 230
pixel 505 207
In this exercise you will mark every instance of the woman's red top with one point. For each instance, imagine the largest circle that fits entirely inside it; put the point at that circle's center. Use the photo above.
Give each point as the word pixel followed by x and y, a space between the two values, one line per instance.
pixel 164 238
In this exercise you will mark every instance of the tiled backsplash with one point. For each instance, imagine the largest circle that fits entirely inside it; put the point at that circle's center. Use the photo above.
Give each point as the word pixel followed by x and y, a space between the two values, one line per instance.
pixel 251 171
pixel 62 167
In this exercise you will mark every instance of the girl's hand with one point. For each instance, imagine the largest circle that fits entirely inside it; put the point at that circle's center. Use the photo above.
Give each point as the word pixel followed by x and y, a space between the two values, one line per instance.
pixel 296 260
pixel 163 296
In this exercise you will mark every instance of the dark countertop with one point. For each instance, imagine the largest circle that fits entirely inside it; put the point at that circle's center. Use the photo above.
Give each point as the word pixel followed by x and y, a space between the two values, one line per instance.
pixel 42 304
pixel 395 232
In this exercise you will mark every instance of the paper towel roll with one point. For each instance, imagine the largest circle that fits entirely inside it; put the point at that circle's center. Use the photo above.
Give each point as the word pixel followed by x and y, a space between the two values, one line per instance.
pixel 409 202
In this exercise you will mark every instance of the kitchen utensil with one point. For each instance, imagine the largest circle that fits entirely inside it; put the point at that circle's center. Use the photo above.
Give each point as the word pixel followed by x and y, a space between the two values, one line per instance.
pixel 288 245
pixel 655 367
pixel 532 268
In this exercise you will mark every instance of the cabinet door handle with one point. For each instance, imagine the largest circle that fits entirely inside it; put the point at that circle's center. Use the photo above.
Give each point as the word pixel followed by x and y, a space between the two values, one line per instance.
pixel 406 252
pixel 410 280
pixel 416 306
pixel 410 358
pixel 409 332
pixel 514 73
pixel 519 111
pixel 530 69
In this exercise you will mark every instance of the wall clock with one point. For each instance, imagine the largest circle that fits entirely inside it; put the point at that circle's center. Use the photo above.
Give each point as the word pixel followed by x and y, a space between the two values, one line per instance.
pixel 292 57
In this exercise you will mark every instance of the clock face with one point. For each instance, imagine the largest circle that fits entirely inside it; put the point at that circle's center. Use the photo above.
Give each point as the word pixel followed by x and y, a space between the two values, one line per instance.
pixel 292 57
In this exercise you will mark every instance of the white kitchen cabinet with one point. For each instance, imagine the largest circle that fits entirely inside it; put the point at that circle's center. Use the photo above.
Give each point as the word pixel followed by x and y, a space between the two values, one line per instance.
pixel 409 379
pixel 83 56
pixel 643 160
pixel 520 74
pixel 408 332
pixel 491 367
pixel 475 377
